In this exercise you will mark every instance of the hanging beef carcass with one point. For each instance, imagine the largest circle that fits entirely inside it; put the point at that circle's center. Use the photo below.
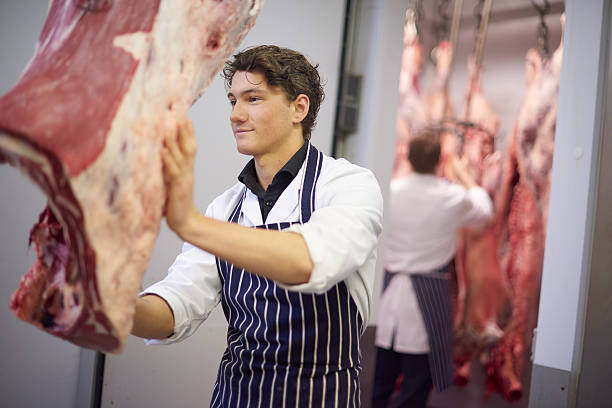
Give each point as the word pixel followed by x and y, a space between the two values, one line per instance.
pixel 524 205
pixel 439 106
pixel 417 111
pixel 482 298
pixel 108 81
pixel 411 110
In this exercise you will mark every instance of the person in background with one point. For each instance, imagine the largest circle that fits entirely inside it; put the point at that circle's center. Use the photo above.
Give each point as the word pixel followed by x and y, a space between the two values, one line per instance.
pixel 289 250
pixel 414 328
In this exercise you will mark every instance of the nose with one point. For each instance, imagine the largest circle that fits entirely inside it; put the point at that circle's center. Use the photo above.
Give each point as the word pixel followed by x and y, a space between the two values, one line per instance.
pixel 238 114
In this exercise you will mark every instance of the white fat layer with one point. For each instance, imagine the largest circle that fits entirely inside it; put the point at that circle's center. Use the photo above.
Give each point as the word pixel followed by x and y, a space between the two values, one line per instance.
pixel 15 147
pixel 174 69
pixel 58 203
pixel 256 8
pixel 135 43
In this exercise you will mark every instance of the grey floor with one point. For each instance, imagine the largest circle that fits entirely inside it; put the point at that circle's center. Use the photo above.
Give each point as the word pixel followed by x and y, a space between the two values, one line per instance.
pixel 469 396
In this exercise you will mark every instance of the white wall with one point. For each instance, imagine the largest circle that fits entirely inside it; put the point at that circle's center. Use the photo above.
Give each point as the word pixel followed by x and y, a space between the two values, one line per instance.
pixel 376 54
pixel 36 369
pixel 183 375
pixel 574 179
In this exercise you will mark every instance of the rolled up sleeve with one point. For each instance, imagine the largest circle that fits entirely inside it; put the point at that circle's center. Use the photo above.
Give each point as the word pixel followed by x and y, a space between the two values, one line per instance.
pixel 480 211
pixel 192 289
pixel 343 231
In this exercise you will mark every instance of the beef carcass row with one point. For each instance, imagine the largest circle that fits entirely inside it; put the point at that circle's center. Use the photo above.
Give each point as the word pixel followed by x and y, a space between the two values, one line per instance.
pixel 411 109
pixel 482 291
pixel 525 187
pixel 86 121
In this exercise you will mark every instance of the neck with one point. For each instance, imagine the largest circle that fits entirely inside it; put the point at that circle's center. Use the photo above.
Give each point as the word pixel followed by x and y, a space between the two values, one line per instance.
pixel 267 165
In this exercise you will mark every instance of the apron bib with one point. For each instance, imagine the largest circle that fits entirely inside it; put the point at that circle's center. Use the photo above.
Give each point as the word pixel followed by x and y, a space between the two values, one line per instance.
pixel 287 348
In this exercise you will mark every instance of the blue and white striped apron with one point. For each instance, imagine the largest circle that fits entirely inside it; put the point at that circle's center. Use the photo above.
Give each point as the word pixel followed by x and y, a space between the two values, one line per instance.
pixel 287 348
pixel 434 298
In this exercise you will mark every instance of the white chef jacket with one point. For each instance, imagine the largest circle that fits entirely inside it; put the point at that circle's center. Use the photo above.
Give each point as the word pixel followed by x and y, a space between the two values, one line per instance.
pixel 423 217
pixel 341 236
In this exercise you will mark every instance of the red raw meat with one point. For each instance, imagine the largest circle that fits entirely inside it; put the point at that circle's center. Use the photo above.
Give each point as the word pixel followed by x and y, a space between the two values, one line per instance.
pixel 108 81
pixel 524 204
pixel 482 291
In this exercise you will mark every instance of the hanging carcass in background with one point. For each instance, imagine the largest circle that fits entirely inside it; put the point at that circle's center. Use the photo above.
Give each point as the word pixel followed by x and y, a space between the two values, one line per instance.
pixel 439 106
pixel 433 108
pixel 497 268
pixel 417 111
pixel 523 204
pixel 483 295
pixel 411 110
pixel 482 299
pixel 86 121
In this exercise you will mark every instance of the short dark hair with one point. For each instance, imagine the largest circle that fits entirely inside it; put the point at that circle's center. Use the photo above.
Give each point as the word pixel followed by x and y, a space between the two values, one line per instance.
pixel 424 151
pixel 282 68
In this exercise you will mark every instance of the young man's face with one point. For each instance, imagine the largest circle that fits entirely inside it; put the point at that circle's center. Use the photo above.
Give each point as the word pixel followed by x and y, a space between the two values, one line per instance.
pixel 261 115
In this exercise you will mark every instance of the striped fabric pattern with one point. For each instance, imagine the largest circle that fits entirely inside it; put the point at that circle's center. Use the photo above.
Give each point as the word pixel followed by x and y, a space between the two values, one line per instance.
pixel 286 348
pixel 434 298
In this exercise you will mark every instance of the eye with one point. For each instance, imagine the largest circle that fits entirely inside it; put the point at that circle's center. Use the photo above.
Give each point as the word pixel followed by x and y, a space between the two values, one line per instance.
pixel 232 102
pixel 253 99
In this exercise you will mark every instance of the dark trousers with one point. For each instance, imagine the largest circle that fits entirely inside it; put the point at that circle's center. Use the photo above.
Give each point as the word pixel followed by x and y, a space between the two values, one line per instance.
pixel 416 382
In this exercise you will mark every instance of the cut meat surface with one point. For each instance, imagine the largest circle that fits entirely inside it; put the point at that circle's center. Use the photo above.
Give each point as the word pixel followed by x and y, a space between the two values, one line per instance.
pixel 109 80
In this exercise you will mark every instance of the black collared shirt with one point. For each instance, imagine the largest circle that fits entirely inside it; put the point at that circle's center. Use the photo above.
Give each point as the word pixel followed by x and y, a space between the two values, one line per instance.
pixel 267 198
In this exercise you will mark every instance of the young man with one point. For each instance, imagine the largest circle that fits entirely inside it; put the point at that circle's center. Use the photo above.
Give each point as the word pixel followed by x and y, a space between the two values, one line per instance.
pixel 297 290
pixel 414 330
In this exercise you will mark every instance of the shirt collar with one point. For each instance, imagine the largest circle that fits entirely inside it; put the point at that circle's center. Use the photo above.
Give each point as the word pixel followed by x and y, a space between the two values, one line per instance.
pixel 248 175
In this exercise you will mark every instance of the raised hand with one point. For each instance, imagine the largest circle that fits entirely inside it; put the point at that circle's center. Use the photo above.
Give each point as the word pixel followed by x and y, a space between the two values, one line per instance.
pixel 178 155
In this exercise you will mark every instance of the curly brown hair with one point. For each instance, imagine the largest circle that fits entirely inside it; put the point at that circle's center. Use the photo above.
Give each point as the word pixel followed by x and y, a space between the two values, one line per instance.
pixel 282 68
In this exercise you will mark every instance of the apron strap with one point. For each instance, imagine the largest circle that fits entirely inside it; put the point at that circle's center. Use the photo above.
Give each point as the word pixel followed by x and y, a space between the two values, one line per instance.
pixel 314 161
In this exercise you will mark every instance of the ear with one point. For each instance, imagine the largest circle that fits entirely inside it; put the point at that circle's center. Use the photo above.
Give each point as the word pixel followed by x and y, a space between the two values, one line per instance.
pixel 299 108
